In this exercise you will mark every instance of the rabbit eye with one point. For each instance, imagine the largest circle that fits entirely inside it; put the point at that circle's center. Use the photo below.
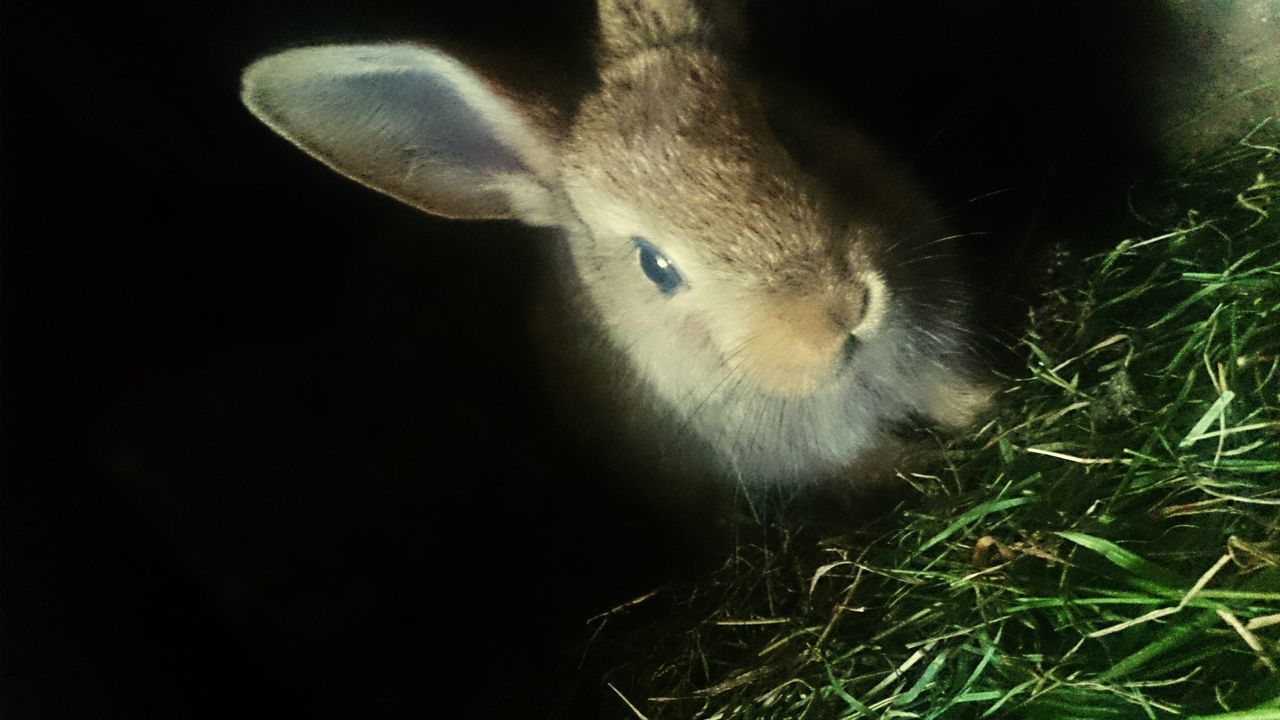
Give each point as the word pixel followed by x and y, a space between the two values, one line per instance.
pixel 657 267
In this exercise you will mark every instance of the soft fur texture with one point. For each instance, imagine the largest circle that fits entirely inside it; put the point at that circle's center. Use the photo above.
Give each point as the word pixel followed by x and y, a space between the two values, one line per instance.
pixel 820 318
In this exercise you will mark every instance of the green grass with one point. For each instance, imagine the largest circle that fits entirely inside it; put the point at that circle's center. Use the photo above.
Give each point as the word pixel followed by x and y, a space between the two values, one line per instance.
pixel 1107 547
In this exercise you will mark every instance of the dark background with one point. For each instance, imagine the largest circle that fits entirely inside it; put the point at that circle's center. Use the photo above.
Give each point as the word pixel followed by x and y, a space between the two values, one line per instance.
pixel 272 443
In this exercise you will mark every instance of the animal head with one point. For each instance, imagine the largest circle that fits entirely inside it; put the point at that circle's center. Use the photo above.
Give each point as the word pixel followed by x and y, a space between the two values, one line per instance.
pixel 777 286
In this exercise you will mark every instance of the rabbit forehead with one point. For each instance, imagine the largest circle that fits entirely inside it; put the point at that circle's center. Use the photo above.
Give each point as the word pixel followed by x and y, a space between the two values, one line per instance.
pixel 676 136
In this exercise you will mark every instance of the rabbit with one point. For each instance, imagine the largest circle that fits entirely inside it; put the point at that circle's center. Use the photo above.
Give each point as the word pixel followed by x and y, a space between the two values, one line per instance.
pixel 749 287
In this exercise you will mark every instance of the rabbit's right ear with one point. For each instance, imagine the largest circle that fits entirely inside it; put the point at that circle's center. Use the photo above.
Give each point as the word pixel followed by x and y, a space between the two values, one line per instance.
pixel 411 122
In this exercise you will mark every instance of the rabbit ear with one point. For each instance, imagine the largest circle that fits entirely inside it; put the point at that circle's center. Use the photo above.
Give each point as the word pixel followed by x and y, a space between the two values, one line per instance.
pixel 630 26
pixel 411 122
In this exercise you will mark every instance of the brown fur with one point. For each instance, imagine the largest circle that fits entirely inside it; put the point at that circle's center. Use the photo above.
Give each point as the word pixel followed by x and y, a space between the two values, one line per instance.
pixel 813 312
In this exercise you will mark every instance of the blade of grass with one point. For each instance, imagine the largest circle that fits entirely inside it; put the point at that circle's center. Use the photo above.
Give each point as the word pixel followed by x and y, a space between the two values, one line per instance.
pixel 1173 638
pixel 980 511
pixel 1127 560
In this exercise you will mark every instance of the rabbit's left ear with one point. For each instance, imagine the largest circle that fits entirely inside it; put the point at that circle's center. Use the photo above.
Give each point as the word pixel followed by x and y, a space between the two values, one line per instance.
pixel 411 122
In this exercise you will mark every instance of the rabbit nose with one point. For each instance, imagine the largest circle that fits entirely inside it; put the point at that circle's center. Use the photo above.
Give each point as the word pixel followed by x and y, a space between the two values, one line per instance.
pixel 847 312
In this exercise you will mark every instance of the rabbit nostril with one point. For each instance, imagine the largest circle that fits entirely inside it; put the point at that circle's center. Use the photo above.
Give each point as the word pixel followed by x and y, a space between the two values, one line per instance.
pixel 846 314
pixel 859 304
pixel 850 348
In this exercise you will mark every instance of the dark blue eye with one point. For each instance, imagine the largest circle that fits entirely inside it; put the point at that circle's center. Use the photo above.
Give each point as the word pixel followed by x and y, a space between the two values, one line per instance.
pixel 657 267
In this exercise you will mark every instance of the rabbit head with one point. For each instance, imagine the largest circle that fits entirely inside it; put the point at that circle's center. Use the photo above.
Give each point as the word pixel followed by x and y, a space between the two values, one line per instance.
pixel 778 289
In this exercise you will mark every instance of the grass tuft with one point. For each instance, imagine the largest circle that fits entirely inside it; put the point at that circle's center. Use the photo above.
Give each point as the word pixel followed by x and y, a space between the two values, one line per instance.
pixel 1108 547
